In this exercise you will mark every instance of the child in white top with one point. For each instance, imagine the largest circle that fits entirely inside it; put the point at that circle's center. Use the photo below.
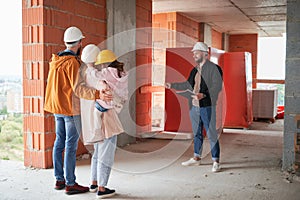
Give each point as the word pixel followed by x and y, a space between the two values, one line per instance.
pixel 113 77
pixel 103 72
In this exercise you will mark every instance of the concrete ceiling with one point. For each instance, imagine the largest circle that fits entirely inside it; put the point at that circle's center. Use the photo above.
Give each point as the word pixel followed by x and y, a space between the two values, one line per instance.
pixel 265 17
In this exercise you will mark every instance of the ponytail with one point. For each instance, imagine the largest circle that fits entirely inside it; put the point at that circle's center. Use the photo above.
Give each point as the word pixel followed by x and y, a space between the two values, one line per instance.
pixel 119 66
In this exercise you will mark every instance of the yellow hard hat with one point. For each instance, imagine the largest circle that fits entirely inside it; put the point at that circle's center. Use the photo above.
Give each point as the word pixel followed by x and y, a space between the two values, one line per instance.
pixel 105 56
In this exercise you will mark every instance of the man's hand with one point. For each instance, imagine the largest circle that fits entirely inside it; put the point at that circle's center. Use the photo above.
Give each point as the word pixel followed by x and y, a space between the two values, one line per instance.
pixel 106 95
pixel 168 85
pixel 198 96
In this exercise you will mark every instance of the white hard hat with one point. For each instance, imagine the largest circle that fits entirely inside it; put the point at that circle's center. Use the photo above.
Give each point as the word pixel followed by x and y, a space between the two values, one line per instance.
pixel 73 34
pixel 200 46
pixel 90 53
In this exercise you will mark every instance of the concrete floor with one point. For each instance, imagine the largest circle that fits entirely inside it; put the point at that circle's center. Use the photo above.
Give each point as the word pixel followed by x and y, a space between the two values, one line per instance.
pixel 151 169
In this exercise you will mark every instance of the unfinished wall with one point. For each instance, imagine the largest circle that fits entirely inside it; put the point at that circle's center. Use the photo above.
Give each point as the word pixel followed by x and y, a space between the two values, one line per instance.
pixel 184 32
pixel 43 26
pixel 291 143
pixel 217 41
pixel 188 27
pixel 246 42
pixel 175 30
pixel 44 23
pixel 130 36
pixel 121 39
pixel 143 64
pixel 170 30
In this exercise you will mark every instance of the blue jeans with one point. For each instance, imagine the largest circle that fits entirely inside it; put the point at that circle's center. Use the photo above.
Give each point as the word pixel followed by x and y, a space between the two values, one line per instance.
pixel 103 159
pixel 68 129
pixel 205 116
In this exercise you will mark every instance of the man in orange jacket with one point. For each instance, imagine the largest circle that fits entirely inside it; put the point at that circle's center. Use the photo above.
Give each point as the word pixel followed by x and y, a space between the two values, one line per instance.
pixel 65 85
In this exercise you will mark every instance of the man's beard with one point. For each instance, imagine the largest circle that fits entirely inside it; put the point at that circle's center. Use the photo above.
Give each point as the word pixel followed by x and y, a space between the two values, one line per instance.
pixel 199 60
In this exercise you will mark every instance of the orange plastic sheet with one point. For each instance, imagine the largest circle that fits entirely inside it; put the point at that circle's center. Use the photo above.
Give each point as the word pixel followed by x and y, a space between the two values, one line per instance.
pixel 237 76
pixel 179 62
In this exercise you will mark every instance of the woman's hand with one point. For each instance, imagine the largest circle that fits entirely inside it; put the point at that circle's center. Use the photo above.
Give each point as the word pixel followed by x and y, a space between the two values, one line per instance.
pixel 106 95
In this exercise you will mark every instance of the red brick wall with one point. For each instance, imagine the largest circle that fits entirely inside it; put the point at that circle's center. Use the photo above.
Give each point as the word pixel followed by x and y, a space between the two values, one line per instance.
pixel 216 39
pixel 164 21
pixel 187 26
pixel 180 23
pixel 177 22
pixel 167 20
pixel 144 60
pixel 44 22
pixel 246 42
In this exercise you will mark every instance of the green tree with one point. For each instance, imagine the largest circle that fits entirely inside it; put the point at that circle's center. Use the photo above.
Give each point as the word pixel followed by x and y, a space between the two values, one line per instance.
pixel 12 127
pixel 3 111
pixel 11 138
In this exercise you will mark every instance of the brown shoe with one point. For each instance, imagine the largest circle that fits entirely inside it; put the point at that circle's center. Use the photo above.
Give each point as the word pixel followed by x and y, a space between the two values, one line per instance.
pixel 59 185
pixel 76 189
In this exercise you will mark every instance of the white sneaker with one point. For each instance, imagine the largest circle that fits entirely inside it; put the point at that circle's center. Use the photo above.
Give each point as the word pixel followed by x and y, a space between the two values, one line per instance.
pixel 191 162
pixel 216 167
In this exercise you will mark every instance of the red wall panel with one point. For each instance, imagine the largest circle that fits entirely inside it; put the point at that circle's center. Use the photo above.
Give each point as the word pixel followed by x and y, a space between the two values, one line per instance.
pixel 179 62
pixel 238 87
pixel 234 106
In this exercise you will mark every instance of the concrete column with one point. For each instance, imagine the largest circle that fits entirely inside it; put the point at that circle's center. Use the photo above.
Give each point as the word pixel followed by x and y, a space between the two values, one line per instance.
pixel 207 35
pixel 225 41
pixel 121 24
pixel 292 89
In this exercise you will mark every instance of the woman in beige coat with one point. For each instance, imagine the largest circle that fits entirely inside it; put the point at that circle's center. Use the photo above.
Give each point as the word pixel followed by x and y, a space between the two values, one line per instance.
pixel 101 128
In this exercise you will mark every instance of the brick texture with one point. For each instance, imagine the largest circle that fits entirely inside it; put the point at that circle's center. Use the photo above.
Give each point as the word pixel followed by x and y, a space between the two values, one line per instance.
pixel 216 39
pixel 186 28
pixel 184 32
pixel 144 61
pixel 43 25
pixel 246 42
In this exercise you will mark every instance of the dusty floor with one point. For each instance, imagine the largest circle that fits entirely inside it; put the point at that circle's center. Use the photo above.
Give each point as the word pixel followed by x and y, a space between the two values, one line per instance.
pixel 151 169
